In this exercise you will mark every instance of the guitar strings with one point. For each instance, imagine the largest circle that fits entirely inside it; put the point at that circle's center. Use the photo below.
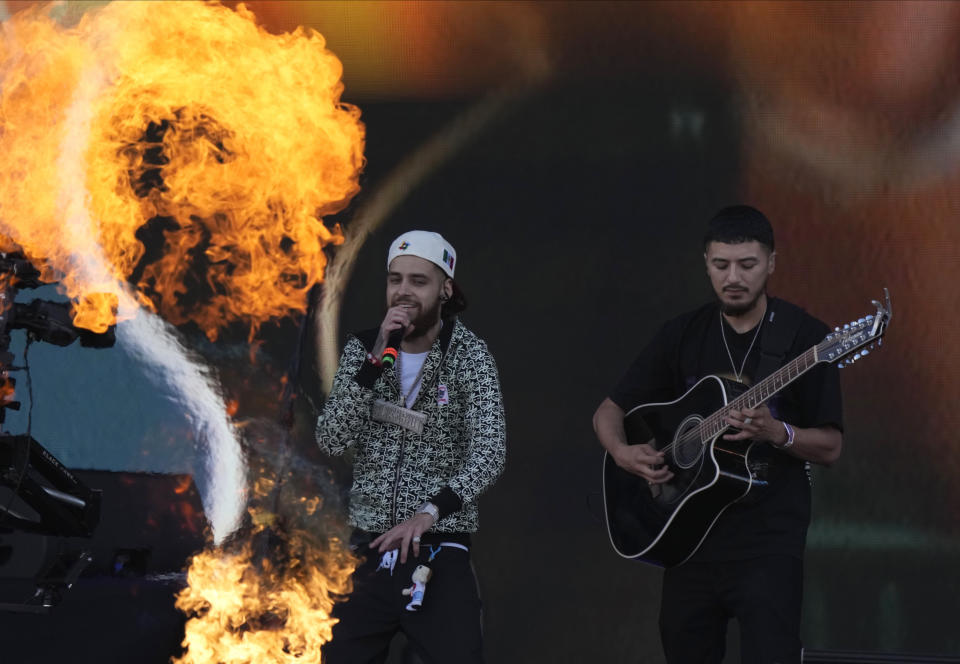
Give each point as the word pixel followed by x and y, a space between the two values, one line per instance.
pixel 697 433
pixel 808 359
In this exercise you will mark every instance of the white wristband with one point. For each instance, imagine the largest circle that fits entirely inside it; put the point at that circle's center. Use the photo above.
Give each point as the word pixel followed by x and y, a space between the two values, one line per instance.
pixel 791 435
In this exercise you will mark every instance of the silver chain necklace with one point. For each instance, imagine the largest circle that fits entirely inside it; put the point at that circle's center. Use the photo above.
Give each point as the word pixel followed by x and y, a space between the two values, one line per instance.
pixel 743 364
pixel 416 380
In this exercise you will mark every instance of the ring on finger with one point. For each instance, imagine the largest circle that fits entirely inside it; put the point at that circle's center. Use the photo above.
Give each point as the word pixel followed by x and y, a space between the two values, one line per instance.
pixel 748 420
pixel 416 538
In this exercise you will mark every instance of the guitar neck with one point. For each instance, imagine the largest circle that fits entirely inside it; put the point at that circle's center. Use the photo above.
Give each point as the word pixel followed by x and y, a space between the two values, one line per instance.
pixel 716 423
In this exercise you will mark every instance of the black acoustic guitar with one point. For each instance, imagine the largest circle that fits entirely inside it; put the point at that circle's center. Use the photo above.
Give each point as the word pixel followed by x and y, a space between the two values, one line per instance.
pixel 664 524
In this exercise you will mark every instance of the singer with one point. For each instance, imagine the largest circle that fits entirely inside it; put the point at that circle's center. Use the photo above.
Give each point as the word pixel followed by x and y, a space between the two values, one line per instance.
pixel 418 401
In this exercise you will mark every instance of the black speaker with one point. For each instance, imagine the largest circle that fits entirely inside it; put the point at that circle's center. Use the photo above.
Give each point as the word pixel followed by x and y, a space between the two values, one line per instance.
pixel 120 607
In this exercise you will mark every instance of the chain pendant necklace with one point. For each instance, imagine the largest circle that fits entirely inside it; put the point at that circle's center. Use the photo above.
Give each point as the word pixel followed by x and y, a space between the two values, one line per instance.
pixel 416 380
pixel 743 364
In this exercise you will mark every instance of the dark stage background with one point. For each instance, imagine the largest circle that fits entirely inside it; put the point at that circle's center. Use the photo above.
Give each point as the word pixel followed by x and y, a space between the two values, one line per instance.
pixel 577 212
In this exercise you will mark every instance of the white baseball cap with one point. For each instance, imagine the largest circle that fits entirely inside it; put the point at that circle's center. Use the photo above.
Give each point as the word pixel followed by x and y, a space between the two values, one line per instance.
pixel 426 245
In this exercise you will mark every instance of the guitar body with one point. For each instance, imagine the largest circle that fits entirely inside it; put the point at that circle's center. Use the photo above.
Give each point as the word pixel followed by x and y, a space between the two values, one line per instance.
pixel 664 524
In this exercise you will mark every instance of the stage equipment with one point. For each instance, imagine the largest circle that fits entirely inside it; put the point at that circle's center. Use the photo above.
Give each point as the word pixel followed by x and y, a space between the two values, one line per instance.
pixel 42 504
pixel 49 498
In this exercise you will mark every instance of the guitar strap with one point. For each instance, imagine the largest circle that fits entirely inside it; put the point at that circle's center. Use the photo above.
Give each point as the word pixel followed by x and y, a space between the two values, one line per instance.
pixel 779 331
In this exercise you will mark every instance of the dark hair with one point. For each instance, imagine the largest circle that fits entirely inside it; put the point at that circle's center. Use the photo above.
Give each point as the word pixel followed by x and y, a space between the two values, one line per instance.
pixel 739 223
pixel 456 303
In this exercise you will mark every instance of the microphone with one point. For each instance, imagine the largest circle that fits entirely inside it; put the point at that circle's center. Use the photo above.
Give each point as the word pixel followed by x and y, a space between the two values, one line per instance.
pixel 393 347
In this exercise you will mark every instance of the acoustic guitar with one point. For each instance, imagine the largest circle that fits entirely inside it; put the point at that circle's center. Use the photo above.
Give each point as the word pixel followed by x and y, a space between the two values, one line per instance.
pixel 664 524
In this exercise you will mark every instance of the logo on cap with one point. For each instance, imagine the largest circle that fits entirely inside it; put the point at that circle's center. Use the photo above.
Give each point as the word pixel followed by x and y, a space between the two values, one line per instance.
pixel 448 259
pixel 403 245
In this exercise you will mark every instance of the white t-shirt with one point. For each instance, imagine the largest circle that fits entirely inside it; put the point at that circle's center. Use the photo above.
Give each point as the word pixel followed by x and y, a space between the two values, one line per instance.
pixel 410 365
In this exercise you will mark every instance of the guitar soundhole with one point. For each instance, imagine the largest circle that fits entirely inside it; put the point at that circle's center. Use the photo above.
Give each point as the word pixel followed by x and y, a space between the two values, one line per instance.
pixel 687 445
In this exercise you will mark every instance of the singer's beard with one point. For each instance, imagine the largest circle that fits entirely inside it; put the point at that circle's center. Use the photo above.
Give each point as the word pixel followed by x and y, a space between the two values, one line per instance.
pixel 427 319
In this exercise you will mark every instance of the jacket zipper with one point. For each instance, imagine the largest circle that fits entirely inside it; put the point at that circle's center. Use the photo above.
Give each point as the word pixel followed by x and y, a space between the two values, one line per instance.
pixel 403 442
pixel 396 481
pixel 396 475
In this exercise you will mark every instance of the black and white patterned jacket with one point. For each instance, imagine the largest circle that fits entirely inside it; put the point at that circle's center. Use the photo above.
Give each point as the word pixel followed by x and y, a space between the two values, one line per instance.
pixel 460 453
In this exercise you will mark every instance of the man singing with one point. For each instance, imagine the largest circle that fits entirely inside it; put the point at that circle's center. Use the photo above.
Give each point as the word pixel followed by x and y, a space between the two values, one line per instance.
pixel 428 434
pixel 750 564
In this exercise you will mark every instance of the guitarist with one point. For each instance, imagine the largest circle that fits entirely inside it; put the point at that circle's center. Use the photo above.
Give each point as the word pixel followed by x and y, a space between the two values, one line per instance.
pixel 750 564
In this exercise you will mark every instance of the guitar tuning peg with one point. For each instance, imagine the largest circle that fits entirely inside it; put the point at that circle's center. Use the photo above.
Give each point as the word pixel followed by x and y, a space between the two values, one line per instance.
pixel 836 329
pixel 869 316
pixel 864 352
pixel 846 326
pixel 856 357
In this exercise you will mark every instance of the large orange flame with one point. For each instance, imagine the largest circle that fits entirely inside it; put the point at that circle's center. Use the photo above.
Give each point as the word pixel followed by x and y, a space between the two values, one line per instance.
pixel 212 151
pixel 179 153
pixel 247 607
pixel 266 594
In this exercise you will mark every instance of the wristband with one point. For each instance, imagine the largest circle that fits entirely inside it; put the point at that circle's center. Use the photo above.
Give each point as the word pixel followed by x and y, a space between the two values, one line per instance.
pixel 791 435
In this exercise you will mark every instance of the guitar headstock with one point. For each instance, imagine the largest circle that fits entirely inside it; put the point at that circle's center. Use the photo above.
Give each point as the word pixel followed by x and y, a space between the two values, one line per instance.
pixel 857 338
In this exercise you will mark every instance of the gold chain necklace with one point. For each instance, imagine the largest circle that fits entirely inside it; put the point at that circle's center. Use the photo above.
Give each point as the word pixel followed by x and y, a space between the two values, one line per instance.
pixel 743 364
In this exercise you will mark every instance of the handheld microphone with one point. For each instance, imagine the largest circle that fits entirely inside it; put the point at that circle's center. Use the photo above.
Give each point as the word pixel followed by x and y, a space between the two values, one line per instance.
pixel 393 347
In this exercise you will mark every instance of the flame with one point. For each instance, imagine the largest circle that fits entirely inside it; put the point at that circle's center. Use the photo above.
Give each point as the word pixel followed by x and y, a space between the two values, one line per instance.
pixel 176 157
pixel 247 607
pixel 7 391
pixel 214 151
pixel 183 484
pixel 267 593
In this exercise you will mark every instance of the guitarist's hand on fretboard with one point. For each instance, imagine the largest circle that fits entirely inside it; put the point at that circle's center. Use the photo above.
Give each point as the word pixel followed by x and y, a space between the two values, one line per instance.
pixel 756 424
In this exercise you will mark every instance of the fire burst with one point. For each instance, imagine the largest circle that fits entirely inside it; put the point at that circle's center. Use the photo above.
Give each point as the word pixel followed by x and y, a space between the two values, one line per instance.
pixel 251 610
pixel 176 157
pixel 267 597
pixel 214 151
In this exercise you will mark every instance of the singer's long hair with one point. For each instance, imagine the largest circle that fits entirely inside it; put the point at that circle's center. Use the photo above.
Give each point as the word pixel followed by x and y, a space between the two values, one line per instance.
pixel 456 304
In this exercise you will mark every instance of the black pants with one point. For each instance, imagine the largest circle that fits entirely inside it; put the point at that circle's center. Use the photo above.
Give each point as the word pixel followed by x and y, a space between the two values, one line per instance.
pixel 445 629
pixel 763 594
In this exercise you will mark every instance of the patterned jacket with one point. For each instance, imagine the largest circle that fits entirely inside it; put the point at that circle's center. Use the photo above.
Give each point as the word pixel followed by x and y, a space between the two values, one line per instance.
pixel 460 453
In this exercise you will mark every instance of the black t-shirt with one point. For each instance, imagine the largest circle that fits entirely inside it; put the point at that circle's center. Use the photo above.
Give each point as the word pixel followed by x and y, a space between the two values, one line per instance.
pixel 771 519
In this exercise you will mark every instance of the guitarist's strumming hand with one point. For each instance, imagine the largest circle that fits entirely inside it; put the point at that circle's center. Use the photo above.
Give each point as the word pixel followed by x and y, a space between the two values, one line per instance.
pixel 643 460
pixel 756 424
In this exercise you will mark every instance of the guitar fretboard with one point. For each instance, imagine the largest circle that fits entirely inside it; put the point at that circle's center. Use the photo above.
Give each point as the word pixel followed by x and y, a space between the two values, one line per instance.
pixel 716 423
